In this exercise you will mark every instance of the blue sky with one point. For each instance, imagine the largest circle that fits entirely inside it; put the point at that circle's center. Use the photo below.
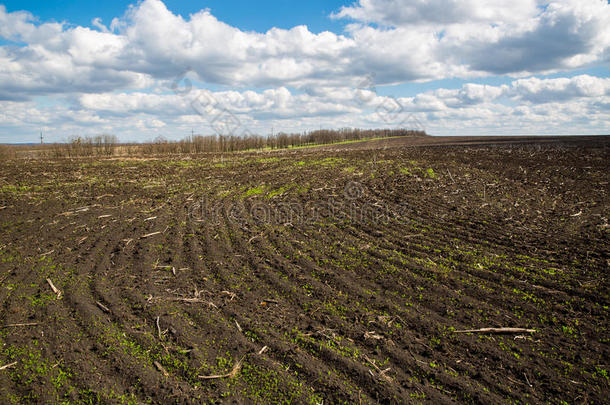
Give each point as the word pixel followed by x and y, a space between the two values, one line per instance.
pixel 470 67
pixel 247 15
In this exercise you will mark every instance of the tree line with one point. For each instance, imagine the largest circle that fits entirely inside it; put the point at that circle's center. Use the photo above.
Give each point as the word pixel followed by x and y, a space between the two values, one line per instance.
pixel 229 143
pixel 108 145
pixel 100 145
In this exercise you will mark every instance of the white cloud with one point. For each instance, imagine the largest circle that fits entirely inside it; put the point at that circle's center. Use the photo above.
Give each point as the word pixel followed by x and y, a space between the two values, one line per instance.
pixel 549 90
pixel 272 103
pixel 531 91
pixel 112 76
pixel 567 34
pixel 468 37
pixel 59 61
pixel 427 40
pixel 400 12
pixel 473 107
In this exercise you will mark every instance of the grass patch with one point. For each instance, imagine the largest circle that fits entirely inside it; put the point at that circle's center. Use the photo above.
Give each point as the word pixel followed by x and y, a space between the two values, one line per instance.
pixel 254 191
pixel 279 191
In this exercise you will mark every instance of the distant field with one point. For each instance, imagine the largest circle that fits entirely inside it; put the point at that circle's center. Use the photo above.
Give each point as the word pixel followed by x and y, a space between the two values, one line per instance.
pixel 337 274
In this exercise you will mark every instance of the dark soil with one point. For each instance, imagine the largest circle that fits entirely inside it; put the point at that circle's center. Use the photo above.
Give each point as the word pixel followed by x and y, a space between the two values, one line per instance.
pixel 317 276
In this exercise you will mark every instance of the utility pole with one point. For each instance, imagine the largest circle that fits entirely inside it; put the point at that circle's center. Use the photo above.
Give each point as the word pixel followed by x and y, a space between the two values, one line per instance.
pixel 41 139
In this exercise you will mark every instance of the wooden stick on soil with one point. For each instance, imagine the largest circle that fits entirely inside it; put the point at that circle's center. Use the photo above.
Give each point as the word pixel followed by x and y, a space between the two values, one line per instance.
pixel 263 350
pixel 380 372
pixel 232 374
pixel 17 325
pixel 496 330
pixel 450 176
pixel 159 328
pixel 270 301
pixel 55 290
pixel 148 235
pixel 230 294
pixel 102 307
pixel 8 365
pixel 255 236
pixel 161 368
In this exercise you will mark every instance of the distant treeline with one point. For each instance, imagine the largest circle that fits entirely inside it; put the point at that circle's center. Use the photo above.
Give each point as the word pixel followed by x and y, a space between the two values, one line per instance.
pixel 108 145
pixel 101 145
pixel 228 143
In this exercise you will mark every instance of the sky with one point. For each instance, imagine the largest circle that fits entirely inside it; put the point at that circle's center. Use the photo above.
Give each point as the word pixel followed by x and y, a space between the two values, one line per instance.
pixel 151 68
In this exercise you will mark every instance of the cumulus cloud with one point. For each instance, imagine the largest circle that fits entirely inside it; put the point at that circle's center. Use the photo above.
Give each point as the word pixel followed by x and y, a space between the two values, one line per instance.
pixel 152 42
pixel 567 34
pixel 466 37
pixel 268 104
pixel 524 106
pixel 114 76
pixel 424 40
pixel 480 102
pixel 400 12
pixel 479 105
pixel 551 90
pixel 58 60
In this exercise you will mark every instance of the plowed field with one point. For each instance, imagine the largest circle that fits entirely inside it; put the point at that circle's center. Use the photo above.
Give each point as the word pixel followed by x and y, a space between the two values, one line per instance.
pixel 311 276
